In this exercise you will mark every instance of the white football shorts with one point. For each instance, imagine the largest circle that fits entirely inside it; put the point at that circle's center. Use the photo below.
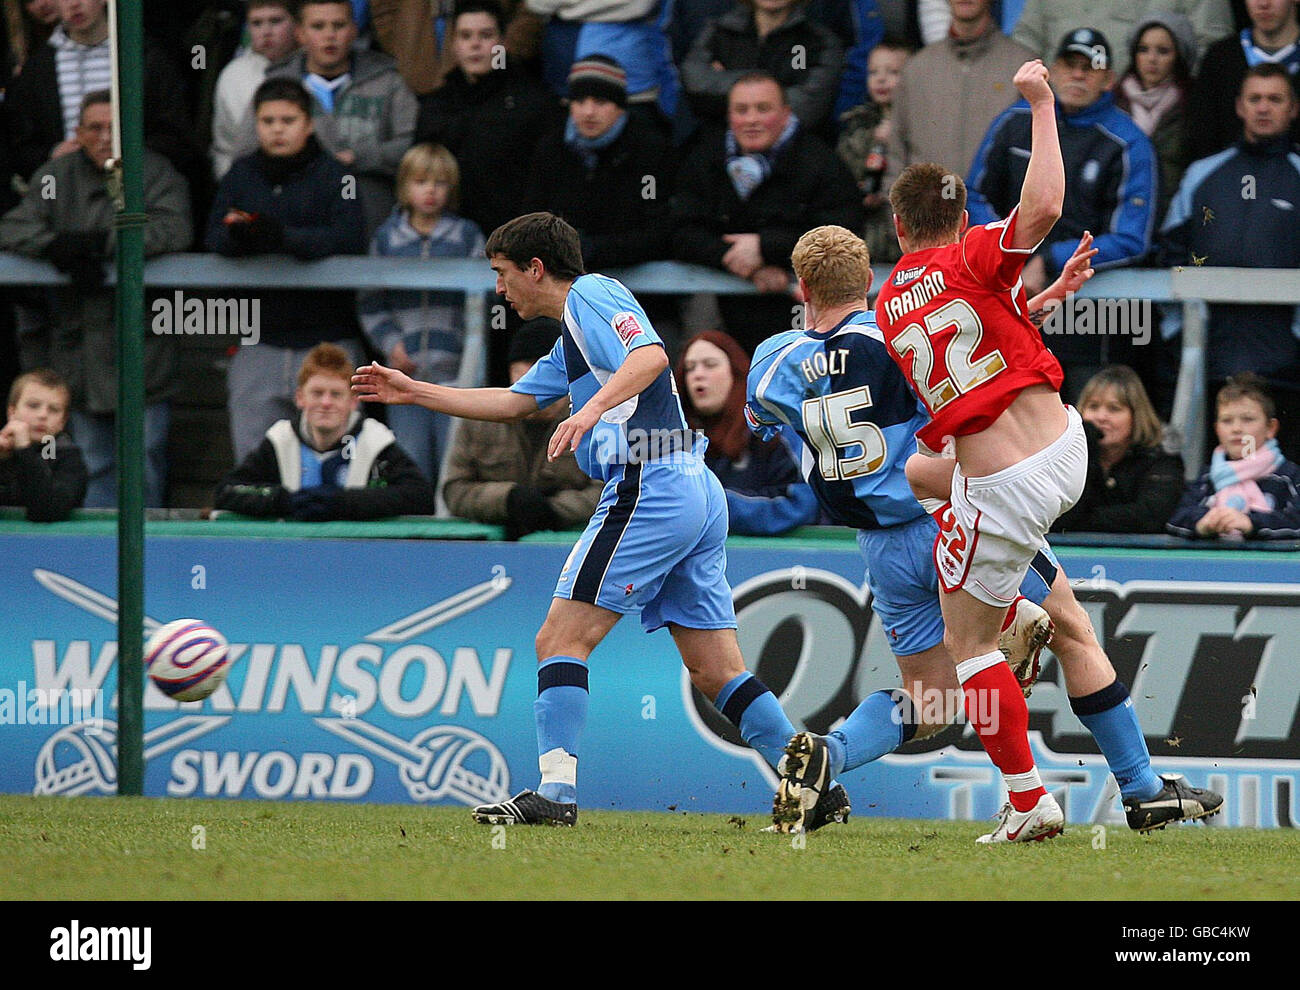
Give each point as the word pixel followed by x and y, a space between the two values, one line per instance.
pixel 995 524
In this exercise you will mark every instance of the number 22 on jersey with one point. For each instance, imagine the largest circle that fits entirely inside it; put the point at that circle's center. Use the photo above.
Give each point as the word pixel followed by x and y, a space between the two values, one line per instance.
pixel 961 373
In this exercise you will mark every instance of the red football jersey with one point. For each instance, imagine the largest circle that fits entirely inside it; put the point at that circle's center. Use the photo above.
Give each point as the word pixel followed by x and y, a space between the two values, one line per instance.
pixel 956 321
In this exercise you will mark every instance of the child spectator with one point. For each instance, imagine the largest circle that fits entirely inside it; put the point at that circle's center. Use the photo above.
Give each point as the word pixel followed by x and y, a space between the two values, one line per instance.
pixel 332 464
pixel 422 333
pixel 766 495
pixel 1154 92
pixel 864 141
pixel 41 469
pixel 284 198
pixel 1133 484
pixel 271 35
pixel 1250 489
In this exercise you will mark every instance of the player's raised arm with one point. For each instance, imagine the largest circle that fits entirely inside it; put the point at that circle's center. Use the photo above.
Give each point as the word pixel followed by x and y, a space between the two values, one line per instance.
pixel 1043 193
pixel 375 383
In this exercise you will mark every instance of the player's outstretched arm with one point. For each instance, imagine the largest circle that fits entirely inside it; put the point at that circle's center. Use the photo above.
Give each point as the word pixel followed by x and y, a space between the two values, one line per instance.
pixel 375 383
pixel 1042 195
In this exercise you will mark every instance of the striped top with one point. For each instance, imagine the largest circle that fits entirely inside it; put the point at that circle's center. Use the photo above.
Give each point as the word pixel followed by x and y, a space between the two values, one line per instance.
pixel 81 69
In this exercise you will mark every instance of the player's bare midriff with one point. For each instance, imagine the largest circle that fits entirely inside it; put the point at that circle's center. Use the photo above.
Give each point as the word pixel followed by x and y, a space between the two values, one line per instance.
pixel 1035 419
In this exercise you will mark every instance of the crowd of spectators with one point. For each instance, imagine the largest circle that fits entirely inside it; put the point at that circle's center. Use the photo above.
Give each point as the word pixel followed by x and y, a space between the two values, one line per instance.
pixel 707 131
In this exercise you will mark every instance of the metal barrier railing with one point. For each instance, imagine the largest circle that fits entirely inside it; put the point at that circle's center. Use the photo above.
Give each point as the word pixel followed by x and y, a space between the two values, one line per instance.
pixel 1191 287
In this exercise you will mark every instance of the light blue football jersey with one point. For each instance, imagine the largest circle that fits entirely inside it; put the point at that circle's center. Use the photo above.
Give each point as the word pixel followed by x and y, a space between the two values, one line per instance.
pixel 846 399
pixel 603 323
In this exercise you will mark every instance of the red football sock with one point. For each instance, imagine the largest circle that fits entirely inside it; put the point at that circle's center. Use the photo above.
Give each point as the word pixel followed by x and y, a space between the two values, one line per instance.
pixel 996 707
pixel 1010 617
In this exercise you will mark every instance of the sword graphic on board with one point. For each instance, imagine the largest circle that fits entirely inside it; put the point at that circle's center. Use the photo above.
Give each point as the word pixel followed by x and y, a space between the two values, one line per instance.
pixel 104 607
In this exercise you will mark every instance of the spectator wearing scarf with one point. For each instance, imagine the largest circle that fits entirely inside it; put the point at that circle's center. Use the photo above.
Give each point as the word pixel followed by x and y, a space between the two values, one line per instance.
pixel 607 170
pixel 1250 489
pixel 746 194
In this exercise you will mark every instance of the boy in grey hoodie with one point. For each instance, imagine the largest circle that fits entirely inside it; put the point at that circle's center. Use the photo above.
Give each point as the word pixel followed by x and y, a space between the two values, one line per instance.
pixel 364 114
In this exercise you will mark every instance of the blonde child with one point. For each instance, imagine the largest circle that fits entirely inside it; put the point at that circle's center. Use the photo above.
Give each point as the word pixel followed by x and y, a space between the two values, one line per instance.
pixel 1250 489
pixel 422 333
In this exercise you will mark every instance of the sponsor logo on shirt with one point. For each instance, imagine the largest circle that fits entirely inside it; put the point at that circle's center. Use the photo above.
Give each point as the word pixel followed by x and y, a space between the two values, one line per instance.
pixel 907 274
pixel 627 326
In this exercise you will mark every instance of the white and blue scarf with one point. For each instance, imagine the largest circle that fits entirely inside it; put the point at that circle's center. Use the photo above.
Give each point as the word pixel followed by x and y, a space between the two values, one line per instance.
pixel 748 172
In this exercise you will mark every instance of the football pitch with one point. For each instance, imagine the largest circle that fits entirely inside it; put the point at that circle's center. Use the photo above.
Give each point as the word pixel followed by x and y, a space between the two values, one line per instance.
pixel 189 849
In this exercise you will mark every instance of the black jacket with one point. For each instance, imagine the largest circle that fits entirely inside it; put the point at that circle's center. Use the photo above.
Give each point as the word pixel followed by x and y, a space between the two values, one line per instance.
pixel 491 126
pixel 1212 122
pixel 49 488
pixel 1137 495
pixel 1211 218
pixel 621 217
pixel 304 198
pixel 805 57
pixel 35 113
pixel 394 486
pixel 809 186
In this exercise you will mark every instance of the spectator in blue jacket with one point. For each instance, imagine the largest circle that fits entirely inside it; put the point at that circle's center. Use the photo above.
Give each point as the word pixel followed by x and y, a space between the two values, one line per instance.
pixel 766 495
pixel 1111 187
pixel 287 197
pixel 1250 489
pixel 1237 208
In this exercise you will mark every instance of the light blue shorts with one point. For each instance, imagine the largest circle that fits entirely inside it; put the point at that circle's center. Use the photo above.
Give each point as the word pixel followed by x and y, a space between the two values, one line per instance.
pixel 905 585
pixel 656 544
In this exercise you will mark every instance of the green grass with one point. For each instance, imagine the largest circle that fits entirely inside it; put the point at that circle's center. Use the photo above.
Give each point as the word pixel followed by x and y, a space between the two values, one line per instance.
pixel 141 848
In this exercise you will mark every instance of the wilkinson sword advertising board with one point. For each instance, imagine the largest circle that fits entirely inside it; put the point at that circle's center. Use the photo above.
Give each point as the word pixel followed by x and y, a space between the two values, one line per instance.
pixel 404 671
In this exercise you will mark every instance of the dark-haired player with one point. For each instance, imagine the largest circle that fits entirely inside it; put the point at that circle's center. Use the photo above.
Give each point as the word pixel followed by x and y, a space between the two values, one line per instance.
pixel 655 543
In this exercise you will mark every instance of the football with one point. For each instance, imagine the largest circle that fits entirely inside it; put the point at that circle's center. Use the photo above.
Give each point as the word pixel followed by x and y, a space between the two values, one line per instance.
pixel 187 659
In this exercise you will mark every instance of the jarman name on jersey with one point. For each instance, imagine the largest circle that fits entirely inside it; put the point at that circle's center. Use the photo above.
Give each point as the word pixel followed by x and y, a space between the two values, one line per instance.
pixel 918 295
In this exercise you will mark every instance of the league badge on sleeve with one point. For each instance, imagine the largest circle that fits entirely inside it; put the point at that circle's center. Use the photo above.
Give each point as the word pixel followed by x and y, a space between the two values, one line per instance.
pixel 627 326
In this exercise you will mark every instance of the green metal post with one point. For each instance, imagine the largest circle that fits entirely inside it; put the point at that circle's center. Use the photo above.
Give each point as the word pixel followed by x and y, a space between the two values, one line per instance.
pixel 130 402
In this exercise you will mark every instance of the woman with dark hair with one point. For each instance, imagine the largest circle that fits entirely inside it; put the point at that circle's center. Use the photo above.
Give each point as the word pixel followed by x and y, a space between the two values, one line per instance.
pixel 1154 92
pixel 765 493
pixel 1133 482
